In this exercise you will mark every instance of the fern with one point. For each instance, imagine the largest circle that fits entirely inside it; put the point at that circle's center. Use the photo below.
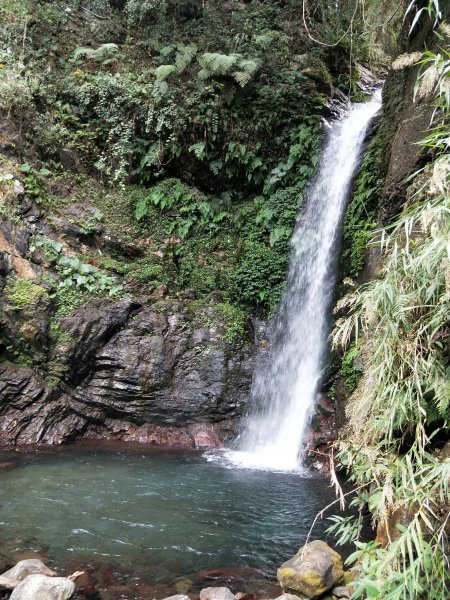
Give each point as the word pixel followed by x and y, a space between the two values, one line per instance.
pixel 105 52
pixel 218 64
pixel 184 56
pixel 236 66
pixel 241 77
pixel 163 72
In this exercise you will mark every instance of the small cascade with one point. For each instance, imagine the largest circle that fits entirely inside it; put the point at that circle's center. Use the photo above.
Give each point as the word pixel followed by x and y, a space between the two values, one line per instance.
pixel 287 379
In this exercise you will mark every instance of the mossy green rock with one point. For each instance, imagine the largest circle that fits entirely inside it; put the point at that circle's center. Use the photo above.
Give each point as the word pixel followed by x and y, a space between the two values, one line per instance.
pixel 314 570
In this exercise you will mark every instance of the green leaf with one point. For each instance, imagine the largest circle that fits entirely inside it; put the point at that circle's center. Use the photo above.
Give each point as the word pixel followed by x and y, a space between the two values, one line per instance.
pixel 163 72
pixel 141 209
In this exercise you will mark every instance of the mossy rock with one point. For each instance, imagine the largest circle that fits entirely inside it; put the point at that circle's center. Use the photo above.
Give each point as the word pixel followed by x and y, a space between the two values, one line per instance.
pixel 314 570
pixel 23 294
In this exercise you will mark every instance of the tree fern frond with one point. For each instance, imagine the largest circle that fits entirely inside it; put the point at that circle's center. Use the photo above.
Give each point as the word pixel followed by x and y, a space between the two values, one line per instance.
pixel 218 64
pixel 184 56
pixel 163 72
pixel 249 66
pixel 241 77
pixel 103 52
pixel 235 65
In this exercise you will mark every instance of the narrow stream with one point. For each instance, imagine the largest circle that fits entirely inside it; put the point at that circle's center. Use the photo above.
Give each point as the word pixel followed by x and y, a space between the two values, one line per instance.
pixel 286 381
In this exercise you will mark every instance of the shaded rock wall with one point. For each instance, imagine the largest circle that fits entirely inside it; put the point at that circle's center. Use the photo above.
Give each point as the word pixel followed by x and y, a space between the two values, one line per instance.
pixel 138 368
pixel 131 372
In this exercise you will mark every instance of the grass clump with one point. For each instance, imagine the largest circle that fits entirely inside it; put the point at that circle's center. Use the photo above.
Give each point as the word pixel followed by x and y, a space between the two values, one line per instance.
pixel 399 413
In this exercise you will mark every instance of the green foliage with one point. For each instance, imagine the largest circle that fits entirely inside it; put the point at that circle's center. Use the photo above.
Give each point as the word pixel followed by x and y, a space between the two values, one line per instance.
pixel 259 277
pixel 205 110
pixel 139 10
pixel 163 72
pixel 85 276
pixel 16 89
pixel 361 214
pixel 277 215
pixel 214 64
pixel 351 367
pixel 200 268
pixel 67 300
pixel 185 207
pixel 400 409
pixel 33 180
pixel 414 563
pixel 234 320
pixel 404 316
pixel 104 54
pixel 74 273
pixel 147 270
pixel 23 294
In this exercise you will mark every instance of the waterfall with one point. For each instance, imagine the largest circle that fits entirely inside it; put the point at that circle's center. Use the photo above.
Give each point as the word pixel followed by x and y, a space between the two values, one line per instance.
pixel 287 378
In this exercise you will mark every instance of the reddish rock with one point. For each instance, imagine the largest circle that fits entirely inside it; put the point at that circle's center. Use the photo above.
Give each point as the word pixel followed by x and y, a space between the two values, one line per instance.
pixel 7 465
pixel 200 435
pixel 85 584
pixel 245 596
pixel 205 436
pixel 96 575
pixel 325 403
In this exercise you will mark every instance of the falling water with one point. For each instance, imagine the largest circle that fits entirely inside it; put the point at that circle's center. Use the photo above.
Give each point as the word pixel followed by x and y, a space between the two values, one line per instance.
pixel 286 381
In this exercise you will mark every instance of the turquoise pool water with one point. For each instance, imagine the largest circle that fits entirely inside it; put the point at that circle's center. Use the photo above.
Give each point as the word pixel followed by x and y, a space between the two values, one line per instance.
pixel 170 514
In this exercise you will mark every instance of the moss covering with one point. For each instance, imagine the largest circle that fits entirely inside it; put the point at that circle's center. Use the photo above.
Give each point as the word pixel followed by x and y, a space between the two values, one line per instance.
pixel 23 294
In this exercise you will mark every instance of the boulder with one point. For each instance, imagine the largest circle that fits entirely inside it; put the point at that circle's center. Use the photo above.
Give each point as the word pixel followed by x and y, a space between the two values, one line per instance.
pixel 340 592
pixel 178 597
pixel 31 566
pixel 314 570
pixel 216 593
pixel 183 586
pixel 42 587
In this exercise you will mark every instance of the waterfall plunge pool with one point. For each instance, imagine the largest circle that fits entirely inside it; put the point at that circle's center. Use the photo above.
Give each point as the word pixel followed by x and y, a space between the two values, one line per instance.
pixel 155 515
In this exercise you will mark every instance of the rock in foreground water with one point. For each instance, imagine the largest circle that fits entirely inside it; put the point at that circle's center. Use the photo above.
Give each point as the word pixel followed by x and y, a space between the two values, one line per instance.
pixel 314 570
pixel 31 566
pixel 287 597
pixel 216 593
pixel 41 587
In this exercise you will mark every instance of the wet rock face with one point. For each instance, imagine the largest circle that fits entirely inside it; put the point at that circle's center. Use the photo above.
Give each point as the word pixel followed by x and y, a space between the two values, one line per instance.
pixel 31 413
pixel 157 368
pixel 148 373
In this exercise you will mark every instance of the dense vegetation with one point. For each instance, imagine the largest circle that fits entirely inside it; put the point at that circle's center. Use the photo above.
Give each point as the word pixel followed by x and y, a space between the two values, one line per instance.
pixel 396 441
pixel 185 133
pixel 191 127
pixel 186 130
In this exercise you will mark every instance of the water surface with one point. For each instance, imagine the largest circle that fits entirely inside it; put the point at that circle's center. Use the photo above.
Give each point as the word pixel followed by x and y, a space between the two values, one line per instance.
pixel 170 513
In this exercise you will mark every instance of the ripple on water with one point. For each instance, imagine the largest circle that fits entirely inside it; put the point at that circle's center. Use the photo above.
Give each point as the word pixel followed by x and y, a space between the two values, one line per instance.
pixel 162 512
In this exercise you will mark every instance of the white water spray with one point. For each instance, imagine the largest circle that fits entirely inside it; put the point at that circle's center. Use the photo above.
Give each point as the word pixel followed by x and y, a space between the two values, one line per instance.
pixel 286 381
